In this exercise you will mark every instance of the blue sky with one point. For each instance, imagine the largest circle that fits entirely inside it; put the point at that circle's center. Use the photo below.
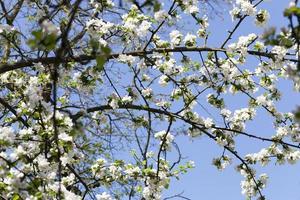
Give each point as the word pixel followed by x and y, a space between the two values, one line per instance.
pixel 205 181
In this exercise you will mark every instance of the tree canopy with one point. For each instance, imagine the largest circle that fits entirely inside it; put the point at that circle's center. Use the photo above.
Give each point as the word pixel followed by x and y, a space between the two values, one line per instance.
pixel 95 94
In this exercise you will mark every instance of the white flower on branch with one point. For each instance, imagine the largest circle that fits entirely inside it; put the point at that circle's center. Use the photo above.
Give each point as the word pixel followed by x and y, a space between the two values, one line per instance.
pixel 166 139
pixel 246 7
pixel 49 28
pixel 104 196
pixel 176 37
pixel 190 40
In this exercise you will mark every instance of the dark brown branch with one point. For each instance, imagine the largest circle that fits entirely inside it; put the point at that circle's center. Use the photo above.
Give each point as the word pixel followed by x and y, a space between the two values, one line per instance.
pixel 86 58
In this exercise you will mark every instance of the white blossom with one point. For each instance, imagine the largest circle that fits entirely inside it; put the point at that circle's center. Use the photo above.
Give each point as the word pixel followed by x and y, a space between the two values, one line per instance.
pixel 126 99
pixel 279 51
pixel 160 15
pixel 176 37
pixel 49 28
pixel 262 18
pixel 166 139
pixel 65 137
pixel 147 92
pixel 246 7
pixel 7 134
pixel 114 103
pixel 126 59
pixel 103 196
pixel 163 80
pixel 208 122
pixel 190 40
pixel 190 6
pixel 103 4
pixel 143 28
pixel 235 13
pixel 293 157
pixel 98 26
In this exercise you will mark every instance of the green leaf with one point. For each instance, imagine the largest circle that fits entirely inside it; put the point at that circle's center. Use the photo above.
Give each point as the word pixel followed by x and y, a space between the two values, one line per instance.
pixel 106 50
pixel 292 11
pixel 16 197
pixel 100 63
pixel 37 34
pixel 297 114
pixel 49 42
pixel 94 44
pixel 40 40
pixel 156 6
